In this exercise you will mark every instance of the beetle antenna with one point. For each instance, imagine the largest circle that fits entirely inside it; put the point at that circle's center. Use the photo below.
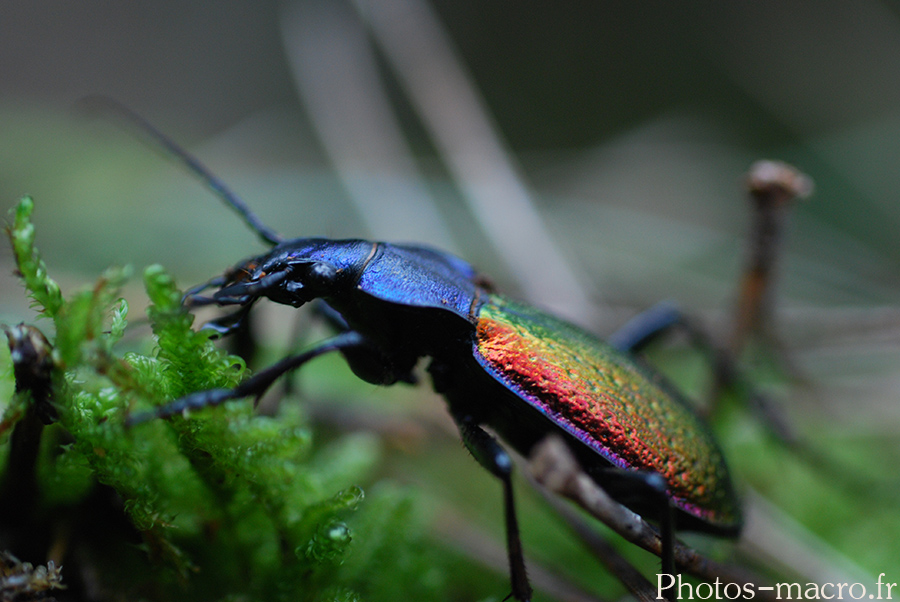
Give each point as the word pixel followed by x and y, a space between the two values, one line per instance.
pixel 105 104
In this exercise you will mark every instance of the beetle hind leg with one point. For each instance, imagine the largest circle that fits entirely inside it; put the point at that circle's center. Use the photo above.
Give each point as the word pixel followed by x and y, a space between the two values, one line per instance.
pixel 491 455
pixel 650 489
pixel 646 327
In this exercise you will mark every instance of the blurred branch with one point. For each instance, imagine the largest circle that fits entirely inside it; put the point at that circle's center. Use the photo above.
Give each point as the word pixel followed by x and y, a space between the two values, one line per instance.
pixel 419 50
pixel 337 78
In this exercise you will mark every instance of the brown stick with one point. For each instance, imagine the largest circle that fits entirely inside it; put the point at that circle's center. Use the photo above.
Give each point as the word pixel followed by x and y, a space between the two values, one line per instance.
pixel 773 186
pixel 554 467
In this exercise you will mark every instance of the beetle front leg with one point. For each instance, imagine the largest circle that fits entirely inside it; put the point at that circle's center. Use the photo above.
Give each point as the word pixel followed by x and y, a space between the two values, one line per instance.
pixel 494 458
pixel 257 384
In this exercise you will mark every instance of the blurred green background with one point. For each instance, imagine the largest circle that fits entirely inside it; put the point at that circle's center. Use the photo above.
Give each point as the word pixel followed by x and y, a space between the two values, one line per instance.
pixel 627 126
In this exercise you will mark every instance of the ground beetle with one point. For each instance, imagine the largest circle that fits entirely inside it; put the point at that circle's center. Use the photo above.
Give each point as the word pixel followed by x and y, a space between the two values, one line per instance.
pixel 498 362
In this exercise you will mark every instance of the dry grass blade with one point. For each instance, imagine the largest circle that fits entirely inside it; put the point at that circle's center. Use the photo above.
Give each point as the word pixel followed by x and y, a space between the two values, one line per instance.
pixel 420 52
pixel 337 79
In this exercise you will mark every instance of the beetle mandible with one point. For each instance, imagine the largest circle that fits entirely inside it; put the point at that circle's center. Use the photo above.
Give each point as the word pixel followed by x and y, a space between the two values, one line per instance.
pixel 499 363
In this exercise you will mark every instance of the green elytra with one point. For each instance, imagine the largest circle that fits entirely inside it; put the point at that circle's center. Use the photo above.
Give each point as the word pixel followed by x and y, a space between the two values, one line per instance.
pixel 605 399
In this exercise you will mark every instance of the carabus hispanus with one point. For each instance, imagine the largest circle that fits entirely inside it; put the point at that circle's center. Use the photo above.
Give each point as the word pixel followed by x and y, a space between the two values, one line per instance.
pixel 499 363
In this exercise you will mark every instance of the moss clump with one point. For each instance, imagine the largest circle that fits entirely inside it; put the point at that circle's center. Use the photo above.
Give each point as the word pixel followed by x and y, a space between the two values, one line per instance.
pixel 224 505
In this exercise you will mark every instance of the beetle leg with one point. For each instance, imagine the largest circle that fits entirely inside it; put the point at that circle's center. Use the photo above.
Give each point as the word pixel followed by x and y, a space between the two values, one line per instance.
pixel 189 294
pixel 254 386
pixel 647 485
pixel 331 316
pixel 494 458
pixel 641 330
pixel 228 323
pixel 633 336
pixel 649 325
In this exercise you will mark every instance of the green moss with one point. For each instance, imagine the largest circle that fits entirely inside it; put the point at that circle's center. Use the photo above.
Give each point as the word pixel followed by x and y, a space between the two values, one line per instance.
pixel 224 505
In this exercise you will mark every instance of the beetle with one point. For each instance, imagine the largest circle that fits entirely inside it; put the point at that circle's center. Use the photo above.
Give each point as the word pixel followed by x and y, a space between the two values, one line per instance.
pixel 499 363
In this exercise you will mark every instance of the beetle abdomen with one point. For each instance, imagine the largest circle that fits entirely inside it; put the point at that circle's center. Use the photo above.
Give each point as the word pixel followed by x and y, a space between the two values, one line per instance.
pixel 608 402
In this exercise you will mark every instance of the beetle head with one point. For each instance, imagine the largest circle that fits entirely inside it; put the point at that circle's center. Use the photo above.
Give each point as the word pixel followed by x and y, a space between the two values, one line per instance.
pixel 282 275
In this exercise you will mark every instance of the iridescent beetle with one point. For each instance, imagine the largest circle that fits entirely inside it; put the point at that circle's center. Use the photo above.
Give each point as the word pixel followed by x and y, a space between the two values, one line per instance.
pixel 499 363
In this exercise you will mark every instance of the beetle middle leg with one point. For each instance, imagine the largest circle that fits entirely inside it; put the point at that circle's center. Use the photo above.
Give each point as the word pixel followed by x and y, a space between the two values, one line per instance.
pixel 491 455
